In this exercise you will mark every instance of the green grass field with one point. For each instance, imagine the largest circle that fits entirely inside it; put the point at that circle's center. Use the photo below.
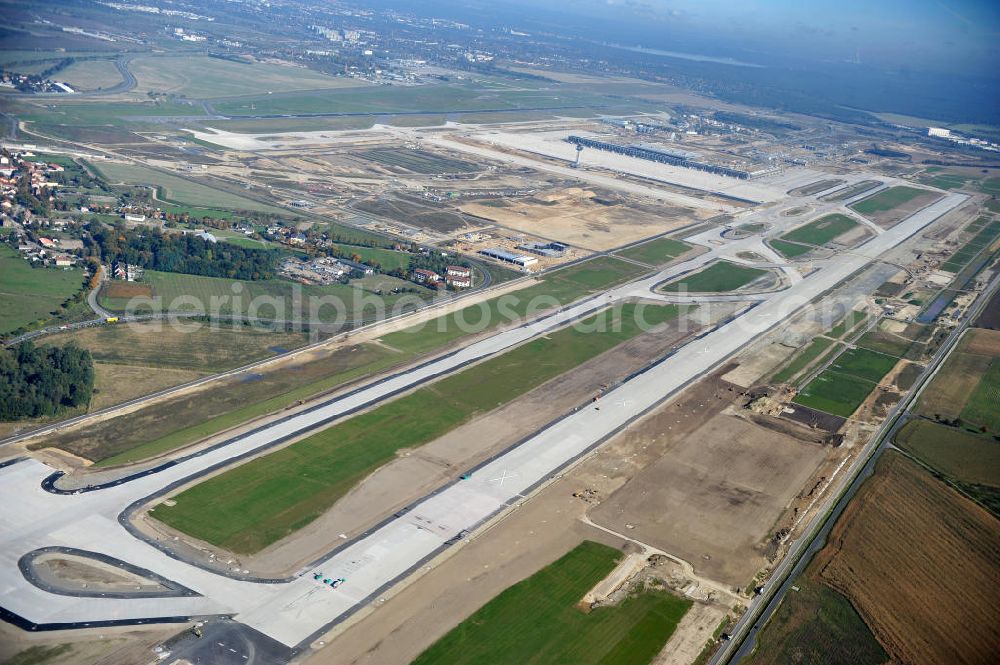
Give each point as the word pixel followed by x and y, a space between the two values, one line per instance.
pixel 958 454
pixel 843 386
pixel 789 250
pixel 426 98
pixel 818 232
pixel 720 277
pixel 815 624
pixel 180 191
pixel 983 407
pixel 887 199
pixel 91 74
pixel 536 621
pixel 116 114
pixel 986 231
pixel 557 288
pixel 260 502
pixel 864 364
pixel 27 294
pixel 270 298
pixel 387 259
pixel 884 342
pixel 848 323
pixel 656 252
pixel 943 180
pixel 838 394
pixel 803 358
pixel 990 186
pixel 202 77
pixel 204 350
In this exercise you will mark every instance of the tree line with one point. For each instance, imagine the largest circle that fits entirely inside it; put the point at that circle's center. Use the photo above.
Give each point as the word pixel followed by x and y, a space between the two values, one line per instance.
pixel 43 380
pixel 182 253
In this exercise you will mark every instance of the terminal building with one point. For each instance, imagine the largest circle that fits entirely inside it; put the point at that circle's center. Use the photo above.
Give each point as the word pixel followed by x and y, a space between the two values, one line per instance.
pixel 673 157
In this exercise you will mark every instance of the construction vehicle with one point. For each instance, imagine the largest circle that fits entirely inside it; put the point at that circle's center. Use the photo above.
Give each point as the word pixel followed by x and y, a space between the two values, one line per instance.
pixel 111 319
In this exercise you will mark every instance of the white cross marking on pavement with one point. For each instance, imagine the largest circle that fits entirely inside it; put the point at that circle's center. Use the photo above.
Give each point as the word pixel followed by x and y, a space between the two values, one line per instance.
pixel 503 476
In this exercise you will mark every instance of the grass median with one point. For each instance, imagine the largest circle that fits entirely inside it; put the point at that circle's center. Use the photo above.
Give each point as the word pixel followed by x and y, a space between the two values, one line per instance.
pixel 261 502
pixel 720 277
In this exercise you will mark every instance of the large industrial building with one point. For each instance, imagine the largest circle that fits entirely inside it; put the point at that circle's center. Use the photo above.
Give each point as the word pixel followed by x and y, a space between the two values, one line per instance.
pixel 522 260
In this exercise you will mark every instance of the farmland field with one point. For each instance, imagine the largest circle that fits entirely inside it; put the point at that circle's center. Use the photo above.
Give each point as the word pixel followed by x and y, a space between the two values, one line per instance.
pixel 921 564
pixel 537 622
pixel 266 499
pixel 815 624
pixel 720 277
pixel 986 232
pixel 990 186
pixel 179 190
pixel 557 288
pixel 818 232
pixel 958 454
pixel 954 384
pixel 656 252
pixel 29 294
pixel 983 407
pixel 202 77
pixel 885 342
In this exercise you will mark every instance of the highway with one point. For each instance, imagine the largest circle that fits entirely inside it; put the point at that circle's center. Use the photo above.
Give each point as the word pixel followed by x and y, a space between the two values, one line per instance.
pixel 295 611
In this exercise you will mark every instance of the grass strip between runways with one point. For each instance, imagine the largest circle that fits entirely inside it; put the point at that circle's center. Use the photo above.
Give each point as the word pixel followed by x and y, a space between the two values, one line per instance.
pixel 256 504
pixel 537 622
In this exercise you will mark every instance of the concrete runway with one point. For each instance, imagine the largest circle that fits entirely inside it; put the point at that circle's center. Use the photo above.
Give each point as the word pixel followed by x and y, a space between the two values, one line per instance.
pixel 294 612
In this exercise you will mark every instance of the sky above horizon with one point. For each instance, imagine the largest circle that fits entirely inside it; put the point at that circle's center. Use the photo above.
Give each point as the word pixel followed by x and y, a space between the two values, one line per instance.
pixel 944 35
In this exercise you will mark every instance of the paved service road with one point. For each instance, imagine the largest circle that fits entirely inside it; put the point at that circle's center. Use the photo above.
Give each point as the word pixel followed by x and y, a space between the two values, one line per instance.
pixel 295 611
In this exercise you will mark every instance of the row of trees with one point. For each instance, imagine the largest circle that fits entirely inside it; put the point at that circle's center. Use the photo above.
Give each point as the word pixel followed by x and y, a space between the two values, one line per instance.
pixel 42 381
pixel 187 254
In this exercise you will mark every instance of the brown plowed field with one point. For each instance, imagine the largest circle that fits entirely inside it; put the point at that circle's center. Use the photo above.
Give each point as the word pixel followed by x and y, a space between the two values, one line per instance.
pixel 921 564
pixel 983 342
